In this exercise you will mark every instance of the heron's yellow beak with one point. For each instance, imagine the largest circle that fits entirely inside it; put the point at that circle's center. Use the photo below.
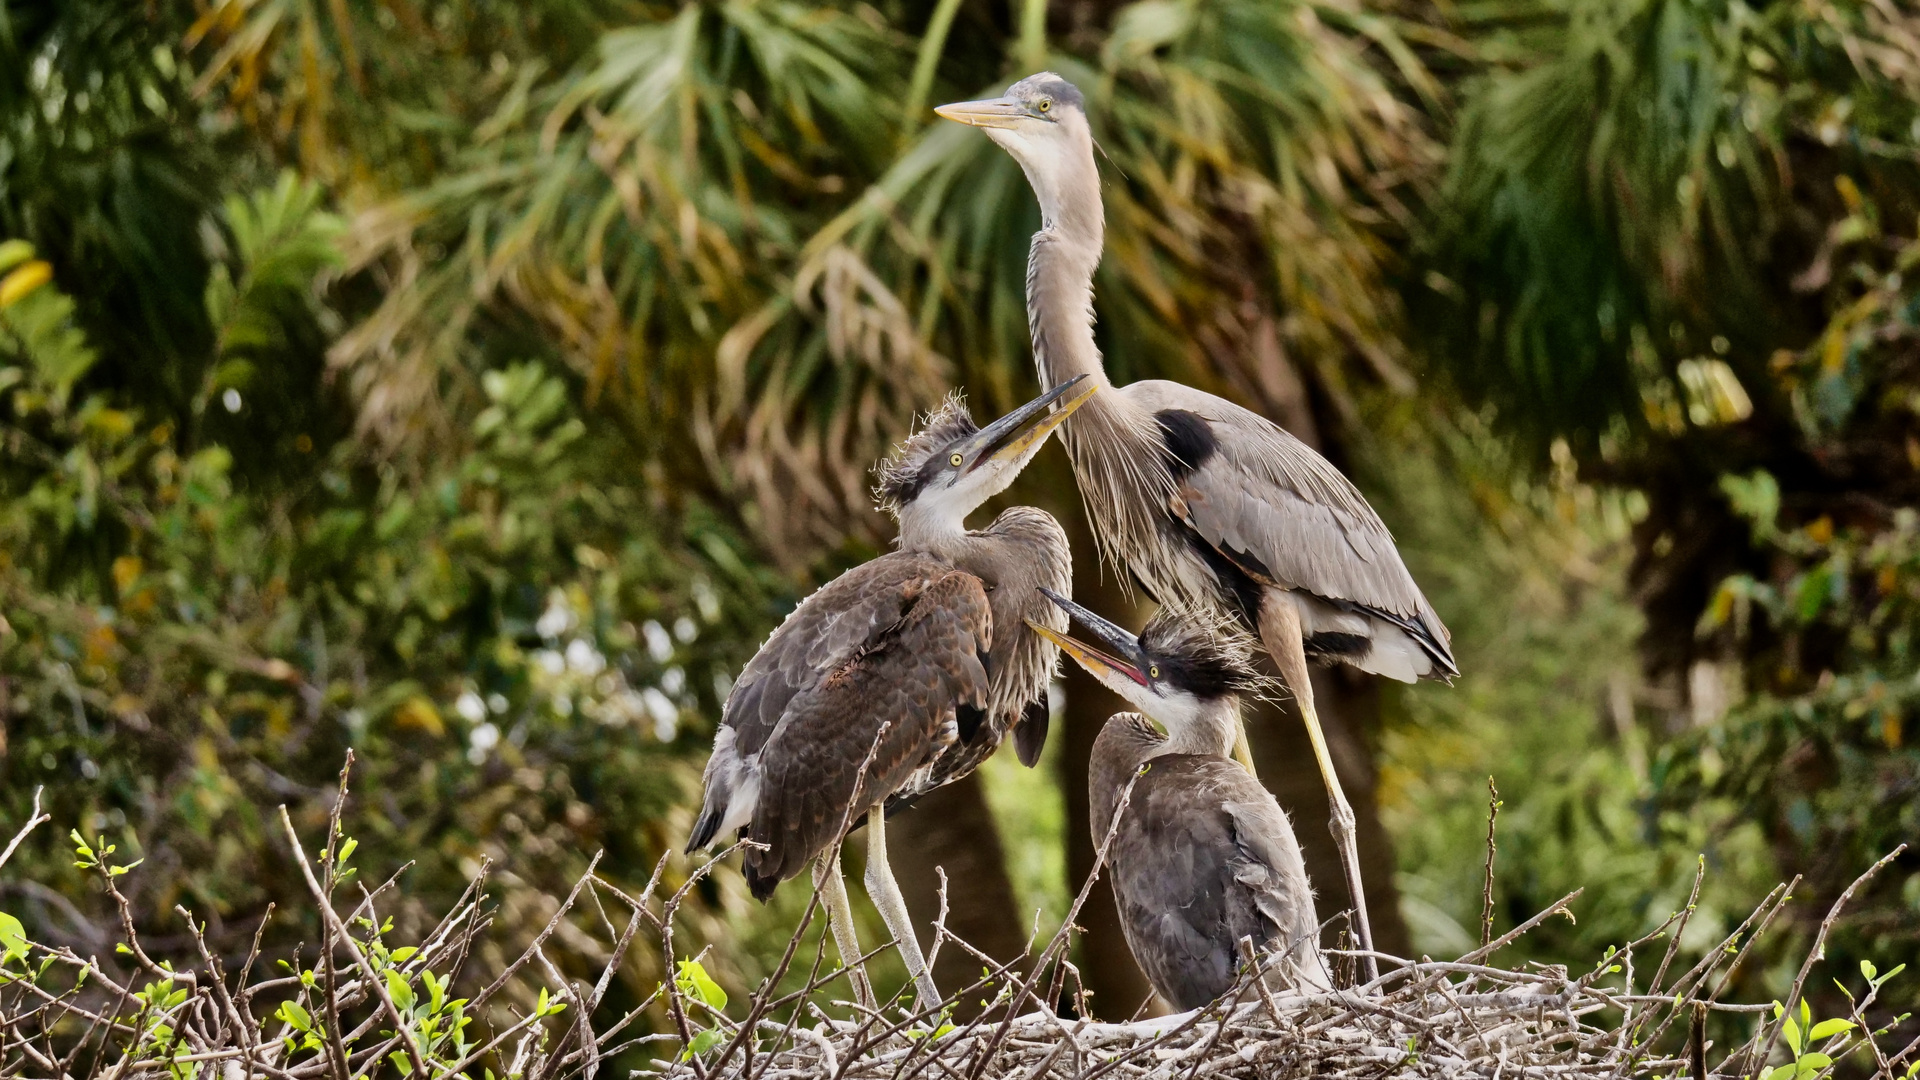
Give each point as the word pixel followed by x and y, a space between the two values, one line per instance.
pixel 1015 448
pixel 992 113
pixel 1093 660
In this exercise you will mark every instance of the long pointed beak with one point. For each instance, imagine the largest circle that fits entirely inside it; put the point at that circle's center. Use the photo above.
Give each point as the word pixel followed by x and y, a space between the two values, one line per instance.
pixel 991 113
pixel 1087 656
pixel 1009 439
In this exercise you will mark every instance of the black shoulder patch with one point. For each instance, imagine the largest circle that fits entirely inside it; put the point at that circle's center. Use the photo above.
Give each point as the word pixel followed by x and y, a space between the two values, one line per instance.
pixel 1187 440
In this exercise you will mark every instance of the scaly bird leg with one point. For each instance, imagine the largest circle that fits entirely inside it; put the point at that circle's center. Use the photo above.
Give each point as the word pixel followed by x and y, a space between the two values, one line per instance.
pixel 833 894
pixel 1280 632
pixel 885 892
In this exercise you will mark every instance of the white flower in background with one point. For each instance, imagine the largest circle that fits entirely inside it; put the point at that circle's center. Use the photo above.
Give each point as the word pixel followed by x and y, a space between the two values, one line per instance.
pixel 722 686
pixel 685 629
pixel 666 715
pixel 481 741
pixel 673 681
pixel 706 599
pixel 496 703
pixel 659 645
pixel 470 707
pixel 558 618
pixel 549 661
pixel 584 658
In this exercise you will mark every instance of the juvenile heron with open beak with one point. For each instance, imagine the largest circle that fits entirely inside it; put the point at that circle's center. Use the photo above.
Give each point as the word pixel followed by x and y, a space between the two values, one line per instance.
pixel 915 665
pixel 1202 857
pixel 1207 504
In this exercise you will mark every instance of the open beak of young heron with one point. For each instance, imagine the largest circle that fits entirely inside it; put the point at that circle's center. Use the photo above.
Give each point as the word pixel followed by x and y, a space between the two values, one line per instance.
pixel 1009 441
pixel 991 113
pixel 1117 660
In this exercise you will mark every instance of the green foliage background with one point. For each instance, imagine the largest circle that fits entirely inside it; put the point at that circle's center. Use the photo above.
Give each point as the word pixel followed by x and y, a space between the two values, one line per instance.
pixel 474 385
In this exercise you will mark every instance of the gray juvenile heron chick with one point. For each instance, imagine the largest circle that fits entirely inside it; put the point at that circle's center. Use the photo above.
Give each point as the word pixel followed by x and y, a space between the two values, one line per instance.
pixel 1207 504
pixel 924 649
pixel 1202 857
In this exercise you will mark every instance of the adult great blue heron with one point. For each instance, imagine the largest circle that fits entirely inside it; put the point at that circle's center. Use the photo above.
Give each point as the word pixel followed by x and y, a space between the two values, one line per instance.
pixel 1207 503
pixel 918 658
pixel 1203 856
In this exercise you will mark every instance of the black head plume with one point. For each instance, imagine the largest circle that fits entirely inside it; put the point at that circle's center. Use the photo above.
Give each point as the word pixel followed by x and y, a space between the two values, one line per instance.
pixel 1205 654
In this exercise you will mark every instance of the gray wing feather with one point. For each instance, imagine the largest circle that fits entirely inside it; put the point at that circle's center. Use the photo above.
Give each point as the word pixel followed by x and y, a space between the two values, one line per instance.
pixel 1285 515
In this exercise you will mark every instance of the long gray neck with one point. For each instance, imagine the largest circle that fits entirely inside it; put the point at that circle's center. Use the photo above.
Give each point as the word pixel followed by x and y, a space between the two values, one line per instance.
pixel 1114 444
pixel 1060 267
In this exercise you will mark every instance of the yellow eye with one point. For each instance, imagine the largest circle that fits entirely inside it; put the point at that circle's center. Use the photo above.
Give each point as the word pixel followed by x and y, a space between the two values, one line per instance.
pixel 1153 672
pixel 956 460
pixel 1044 105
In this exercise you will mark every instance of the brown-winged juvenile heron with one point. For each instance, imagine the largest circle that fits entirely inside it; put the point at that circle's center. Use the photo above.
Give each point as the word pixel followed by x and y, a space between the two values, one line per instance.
pixel 1207 504
pixel 1202 857
pixel 929 640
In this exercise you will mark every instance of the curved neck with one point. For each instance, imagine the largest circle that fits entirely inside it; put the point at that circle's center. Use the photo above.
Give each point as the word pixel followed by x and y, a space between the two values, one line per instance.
pixel 1060 268
pixel 935 529
pixel 1210 730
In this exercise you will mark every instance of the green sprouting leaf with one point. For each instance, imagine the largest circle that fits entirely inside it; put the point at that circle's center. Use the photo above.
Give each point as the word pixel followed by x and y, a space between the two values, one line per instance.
pixel 1827 1029
pixel 1897 969
pixel 1867 970
pixel 1813 1063
pixel 705 1041
pixel 694 982
pixel 1790 1031
pixel 403 954
pixel 400 1062
pixel 13 939
pixel 1779 1072
pixel 294 1013
pixel 397 987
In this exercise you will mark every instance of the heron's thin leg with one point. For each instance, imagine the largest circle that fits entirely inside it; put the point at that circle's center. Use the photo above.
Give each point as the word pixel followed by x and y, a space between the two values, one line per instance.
pixel 885 892
pixel 1281 634
pixel 833 894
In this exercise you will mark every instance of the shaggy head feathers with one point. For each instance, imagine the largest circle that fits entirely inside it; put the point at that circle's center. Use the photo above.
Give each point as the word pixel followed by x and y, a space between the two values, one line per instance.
pixel 915 462
pixel 1205 654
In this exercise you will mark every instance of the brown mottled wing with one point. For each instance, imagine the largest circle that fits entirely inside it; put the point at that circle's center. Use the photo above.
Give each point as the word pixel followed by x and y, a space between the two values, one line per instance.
pixel 913 677
pixel 843 617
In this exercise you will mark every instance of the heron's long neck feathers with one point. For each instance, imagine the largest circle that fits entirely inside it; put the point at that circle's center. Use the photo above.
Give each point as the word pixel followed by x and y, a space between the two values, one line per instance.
pixel 1114 444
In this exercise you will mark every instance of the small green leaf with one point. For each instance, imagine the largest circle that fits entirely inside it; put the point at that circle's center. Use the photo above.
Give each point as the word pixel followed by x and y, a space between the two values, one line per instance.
pixel 706 1040
pixel 694 982
pixel 400 1062
pixel 13 939
pixel 1827 1029
pixel 397 987
pixel 1812 1063
pixel 1779 1072
pixel 403 954
pixel 1867 970
pixel 1790 1031
pixel 293 1013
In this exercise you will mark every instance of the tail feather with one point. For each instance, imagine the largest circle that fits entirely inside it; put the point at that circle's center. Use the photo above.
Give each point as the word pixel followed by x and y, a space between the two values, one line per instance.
pixel 704 829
